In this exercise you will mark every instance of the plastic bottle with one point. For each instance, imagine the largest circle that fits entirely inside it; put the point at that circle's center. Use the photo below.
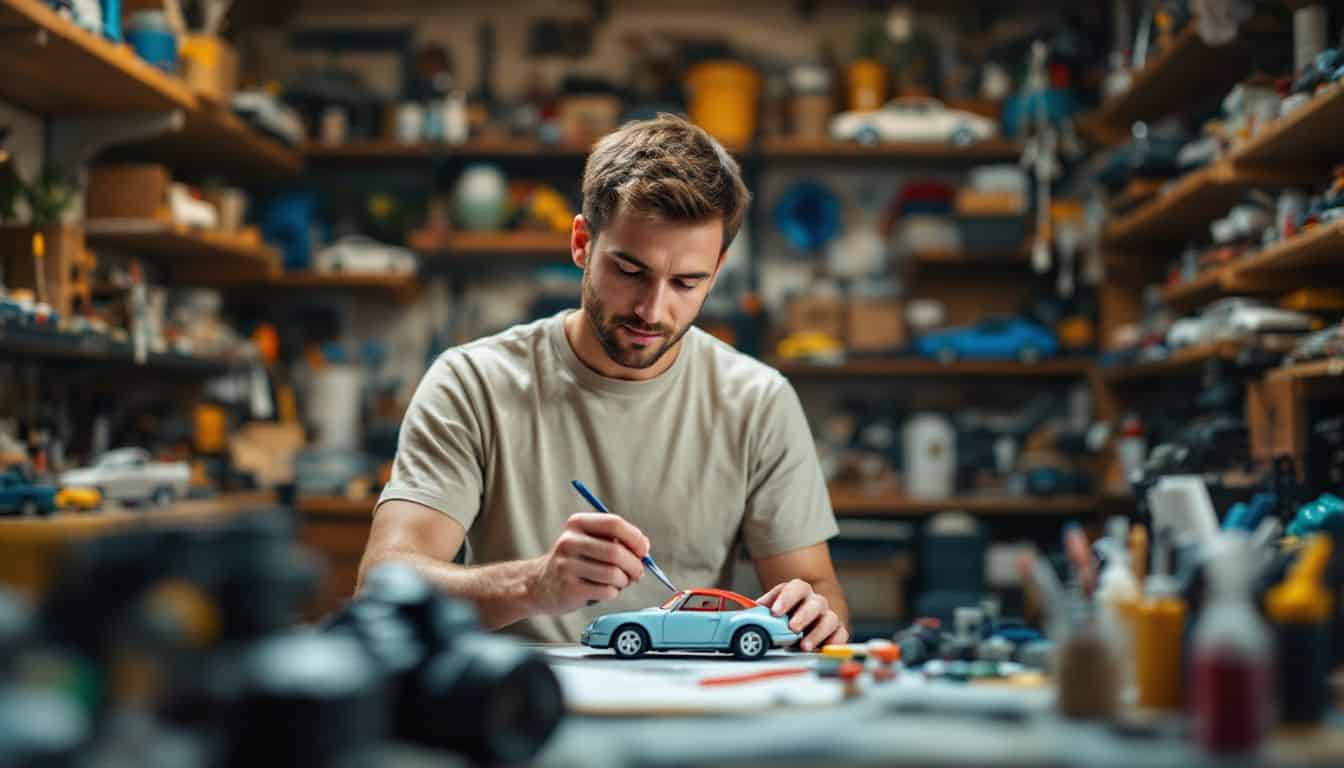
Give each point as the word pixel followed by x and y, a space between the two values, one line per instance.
pixel 1087 678
pixel 1233 651
pixel 1117 600
pixel 1158 628
pixel 1300 608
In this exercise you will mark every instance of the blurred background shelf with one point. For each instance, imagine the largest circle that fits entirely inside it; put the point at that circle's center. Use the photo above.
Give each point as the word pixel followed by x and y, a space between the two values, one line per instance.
pixel 1185 361
pixel 1167 84
pixel 799 149
pixel 1310 131
pixel 188 254
pixel 34 346
pixel 381 150
pixel 897 367
pixel 548 246
pixel 398 288
pixel 851 502
pixel 1328 368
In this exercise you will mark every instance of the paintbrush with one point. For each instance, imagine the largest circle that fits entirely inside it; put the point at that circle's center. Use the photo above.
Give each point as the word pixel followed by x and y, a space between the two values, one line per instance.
pixel 647 559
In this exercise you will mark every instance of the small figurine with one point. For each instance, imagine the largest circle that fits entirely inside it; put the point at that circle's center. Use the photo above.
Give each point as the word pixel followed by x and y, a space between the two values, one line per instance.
pixel 693 620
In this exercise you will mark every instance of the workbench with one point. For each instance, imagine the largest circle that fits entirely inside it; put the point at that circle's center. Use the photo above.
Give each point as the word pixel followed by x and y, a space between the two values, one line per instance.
pixel 999 726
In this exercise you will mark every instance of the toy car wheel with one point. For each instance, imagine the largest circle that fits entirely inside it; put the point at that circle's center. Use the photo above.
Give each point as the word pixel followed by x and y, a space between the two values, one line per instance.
pixel 867 135
pixel 163 497
pixel 28 508
pixel 1029 355
pixel 963 135
pixel 750 643
pixel 630 642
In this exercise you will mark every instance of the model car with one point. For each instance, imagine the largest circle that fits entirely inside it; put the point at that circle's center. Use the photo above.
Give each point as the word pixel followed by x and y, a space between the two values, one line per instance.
pixel 914 119
pixel 1327 342
pixel 993 339
pixel 693 620
pixel 130 474
pixel 21 495
pixel 1237 317
pixel 357 253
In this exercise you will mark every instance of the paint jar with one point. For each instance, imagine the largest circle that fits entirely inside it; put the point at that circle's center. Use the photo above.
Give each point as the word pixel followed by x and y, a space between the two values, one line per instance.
pixel 866 81
pixel 722 99
pixel 152 39
pixel 1159 624
pixel 1087 678
pixel 1301 608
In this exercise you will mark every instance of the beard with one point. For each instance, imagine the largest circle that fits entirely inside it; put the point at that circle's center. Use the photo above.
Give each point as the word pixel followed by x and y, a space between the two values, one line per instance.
pixel 626 354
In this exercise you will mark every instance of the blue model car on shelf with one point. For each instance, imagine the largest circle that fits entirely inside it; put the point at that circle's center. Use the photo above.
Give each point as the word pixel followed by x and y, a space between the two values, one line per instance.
pixel 693 620
pixel 1008 338
pixel 20 495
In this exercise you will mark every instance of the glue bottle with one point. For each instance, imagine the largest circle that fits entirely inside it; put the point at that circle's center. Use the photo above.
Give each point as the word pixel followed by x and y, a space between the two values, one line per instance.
pixel 1300 608
pixel 1158 627
pixel 1117 600
pixel 1232 655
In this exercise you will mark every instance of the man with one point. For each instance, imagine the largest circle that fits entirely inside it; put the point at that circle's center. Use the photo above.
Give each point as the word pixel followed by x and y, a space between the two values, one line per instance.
pixel 692 445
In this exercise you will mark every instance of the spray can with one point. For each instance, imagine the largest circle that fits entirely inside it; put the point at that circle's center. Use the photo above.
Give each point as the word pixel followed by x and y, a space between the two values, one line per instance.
pixel 1300 608
pixel 1158 627
pixel 1117 600
pixel 1233 650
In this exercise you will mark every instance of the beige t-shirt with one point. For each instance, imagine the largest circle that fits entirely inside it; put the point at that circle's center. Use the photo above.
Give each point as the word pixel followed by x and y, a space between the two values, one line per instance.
pixel 713 450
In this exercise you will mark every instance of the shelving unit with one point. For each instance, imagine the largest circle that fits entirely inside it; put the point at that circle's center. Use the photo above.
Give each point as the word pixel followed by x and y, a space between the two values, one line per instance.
pixel 490 246
pixel 398 288
pixel 384 150
pixel 1179 363
pixel 37 346
pixel 56 69
pixel 851 502
pixel 782 148
pixel 898 367
pixel 188 255
pixel 1199 68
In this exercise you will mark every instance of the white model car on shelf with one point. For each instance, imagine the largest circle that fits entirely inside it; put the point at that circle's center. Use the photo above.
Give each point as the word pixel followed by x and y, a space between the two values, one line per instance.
pixel 363 255
pixel 130 474
pixel 912 119
pixel 1239 317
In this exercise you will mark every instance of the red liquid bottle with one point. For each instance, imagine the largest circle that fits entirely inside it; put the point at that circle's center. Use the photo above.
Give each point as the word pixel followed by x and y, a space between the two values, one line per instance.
pixel 1233 653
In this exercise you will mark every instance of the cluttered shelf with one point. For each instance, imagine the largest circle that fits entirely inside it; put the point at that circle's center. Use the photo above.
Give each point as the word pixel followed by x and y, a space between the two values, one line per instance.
pixel 401 288
pixel 88 348
pixel 1180 362
pixel 1187 65
pixel 546 245
pixel 381 150
pixel 848 501
pixel 189 254
pixel 878 367
pixel 794 148
pixel 1330 367
pixel 1312 130
pixel 55 68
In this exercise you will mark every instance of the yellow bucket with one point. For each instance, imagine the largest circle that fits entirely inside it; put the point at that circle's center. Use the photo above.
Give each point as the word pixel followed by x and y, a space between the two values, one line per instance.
pixel 722 100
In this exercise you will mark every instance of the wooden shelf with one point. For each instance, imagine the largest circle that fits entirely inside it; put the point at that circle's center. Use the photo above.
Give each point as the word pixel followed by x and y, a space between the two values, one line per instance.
pixel 899 367
pixel 999 257
pixel 1185 210
pixel 336 505
pixel 53 67
pixel 98 350
pixel 1179 363
pixel 1165 84
pixel 851 502
pixel 189 255
pixel 1310 132
pixel 486 148
pixel 1330 367
pixel 1190 294
pixel 548 246
pixel 791 148
pixel 56 69
pixel 1322 246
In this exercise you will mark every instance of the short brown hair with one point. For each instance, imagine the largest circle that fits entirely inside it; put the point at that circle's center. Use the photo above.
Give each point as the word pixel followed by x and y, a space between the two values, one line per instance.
pixel 666 168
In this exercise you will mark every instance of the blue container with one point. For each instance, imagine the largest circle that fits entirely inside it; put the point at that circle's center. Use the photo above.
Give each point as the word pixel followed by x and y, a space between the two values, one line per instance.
pixel 112 20
pixel 153 40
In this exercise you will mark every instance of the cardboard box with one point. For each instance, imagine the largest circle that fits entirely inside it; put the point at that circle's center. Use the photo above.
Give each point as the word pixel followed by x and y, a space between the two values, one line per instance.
pixel 62 263
pixel 210 66
pixel 875 589
pixel 820 314
pixel 875 325
pixel 127 191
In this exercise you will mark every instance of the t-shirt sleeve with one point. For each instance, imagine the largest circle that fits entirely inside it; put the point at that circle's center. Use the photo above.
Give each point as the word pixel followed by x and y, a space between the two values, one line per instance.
pixel 440 449
pixel 788 504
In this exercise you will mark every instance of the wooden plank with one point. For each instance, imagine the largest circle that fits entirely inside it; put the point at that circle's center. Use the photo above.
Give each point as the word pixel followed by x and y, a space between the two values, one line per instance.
pixel 1328 368
pixel 1189 294
pixel 214 139
pixel 1166 83
pixel 53 67
pixel 1321 246
pixel 1180 362
pixel 1311 131
pixel 793 148
pixel 852 502
pixel 383 149
pixel 184 251
pixel 523 244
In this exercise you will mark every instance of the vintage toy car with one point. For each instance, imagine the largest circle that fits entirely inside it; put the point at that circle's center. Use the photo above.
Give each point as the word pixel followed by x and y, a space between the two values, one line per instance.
pixel 1238 317
pixel 364 255
pixel 1327 342
pixel 129 474
pixel 912 120
pixel 78 498
pixel 21 495
pixel 693 620
pixel 993 339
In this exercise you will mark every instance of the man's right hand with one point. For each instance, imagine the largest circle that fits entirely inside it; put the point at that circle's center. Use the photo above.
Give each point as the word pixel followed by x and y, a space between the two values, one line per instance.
pixel 594 558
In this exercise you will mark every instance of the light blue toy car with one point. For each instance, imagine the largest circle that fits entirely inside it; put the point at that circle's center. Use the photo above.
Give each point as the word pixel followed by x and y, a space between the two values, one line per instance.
pixel 693 620
pixel 1004 338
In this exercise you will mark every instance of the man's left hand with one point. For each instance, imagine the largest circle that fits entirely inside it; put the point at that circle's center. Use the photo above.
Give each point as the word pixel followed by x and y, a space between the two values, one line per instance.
pixel 808 611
